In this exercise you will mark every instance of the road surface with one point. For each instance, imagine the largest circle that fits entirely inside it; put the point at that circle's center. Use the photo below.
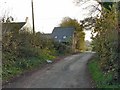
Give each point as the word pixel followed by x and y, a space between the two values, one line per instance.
pixel 71 72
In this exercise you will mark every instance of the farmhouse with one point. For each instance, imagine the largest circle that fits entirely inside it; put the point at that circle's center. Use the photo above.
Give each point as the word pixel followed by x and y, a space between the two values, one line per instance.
pixel 64 35
pixel 16 27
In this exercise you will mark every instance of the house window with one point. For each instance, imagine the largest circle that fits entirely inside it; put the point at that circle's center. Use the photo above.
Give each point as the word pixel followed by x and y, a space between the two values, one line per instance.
pixel 55 36
pixel 64 37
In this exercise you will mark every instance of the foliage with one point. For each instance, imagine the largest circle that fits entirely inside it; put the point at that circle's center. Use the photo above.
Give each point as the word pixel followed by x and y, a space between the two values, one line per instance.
pixel 62 48
pixel 101 80
pixel 22 51
pixel 19 66
pixel 107 5
pixel 79 33
pixel 105 43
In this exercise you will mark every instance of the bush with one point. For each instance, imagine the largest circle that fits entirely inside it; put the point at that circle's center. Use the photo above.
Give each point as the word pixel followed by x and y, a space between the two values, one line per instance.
pixel 23 51
pixel 62 48
pixel 106 42
pixel 101 80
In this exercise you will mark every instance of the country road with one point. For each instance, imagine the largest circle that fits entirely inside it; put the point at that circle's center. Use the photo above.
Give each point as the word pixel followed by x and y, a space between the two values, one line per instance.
pixel 71 72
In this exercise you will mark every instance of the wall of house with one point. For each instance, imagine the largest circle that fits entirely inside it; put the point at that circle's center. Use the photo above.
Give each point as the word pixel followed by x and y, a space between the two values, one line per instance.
pixel 74 43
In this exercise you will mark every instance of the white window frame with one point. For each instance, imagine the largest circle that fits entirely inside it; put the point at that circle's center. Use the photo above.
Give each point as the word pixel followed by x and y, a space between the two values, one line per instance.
pixel 64 37
pixel 56 36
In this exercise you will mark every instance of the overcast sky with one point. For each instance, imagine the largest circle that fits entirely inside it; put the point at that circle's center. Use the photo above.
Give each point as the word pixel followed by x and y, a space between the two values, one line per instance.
pixel 48 13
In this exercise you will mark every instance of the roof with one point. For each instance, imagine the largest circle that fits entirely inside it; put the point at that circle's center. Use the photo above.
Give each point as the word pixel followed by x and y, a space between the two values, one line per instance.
pixel 13 26
pixel 62 34
pixel 48 36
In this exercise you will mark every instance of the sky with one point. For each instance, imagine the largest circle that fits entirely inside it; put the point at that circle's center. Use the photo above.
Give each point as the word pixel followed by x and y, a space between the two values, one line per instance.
pixel 48 13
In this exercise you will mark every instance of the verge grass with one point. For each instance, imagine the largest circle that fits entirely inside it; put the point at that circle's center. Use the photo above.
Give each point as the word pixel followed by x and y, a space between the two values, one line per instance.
pixel 101 80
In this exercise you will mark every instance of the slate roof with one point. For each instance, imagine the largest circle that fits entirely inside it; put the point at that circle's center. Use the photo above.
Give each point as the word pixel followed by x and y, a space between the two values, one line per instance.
pixel 48 36
pixel 62 34
pixel 13 26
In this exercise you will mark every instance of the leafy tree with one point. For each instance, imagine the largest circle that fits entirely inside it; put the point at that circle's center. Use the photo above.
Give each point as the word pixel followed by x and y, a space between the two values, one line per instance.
pixel 106 41
pixel 79 33
pixel 106 36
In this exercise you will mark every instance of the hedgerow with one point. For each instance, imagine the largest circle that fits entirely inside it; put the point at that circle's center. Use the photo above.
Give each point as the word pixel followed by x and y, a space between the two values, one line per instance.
pixel 105 43
pixel 22 51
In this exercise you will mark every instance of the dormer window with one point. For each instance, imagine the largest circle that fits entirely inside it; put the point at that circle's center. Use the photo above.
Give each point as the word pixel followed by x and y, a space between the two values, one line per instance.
pixel 56 37
pixel 64 37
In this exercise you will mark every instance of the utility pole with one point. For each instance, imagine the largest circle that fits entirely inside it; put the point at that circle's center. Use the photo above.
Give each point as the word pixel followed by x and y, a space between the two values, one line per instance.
pixel 33 17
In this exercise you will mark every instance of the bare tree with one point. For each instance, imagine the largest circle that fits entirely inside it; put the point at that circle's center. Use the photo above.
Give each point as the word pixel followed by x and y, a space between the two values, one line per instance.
pixel 89 5
pixel 94 11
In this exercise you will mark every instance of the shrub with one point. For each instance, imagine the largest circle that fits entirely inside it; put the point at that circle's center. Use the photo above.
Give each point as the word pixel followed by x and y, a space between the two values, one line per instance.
pixel 62 48
pixel 106 42
pixel 23 51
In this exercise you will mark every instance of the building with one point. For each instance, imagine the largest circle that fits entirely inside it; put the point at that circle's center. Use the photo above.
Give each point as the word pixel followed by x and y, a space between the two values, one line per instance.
pixel 64 35
pixel 16 27
pixel 12 27
pixel 27 27
pixel 47 36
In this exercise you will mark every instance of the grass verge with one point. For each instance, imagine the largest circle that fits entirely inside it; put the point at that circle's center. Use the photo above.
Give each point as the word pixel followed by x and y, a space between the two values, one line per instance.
pixel 101 80
pixel 22 65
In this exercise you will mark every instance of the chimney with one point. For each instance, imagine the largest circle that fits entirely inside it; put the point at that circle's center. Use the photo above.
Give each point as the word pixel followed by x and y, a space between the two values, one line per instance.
pixel 26 20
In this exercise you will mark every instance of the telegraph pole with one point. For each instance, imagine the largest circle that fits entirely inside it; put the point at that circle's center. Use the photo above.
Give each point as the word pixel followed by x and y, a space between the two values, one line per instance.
pixel 33 17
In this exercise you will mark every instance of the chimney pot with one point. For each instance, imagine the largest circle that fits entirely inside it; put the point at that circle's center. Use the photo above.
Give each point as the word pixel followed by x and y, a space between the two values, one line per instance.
pixel 26 20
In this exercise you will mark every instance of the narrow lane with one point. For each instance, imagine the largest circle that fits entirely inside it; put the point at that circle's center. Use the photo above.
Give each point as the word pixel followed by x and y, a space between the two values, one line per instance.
pixel 68 73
